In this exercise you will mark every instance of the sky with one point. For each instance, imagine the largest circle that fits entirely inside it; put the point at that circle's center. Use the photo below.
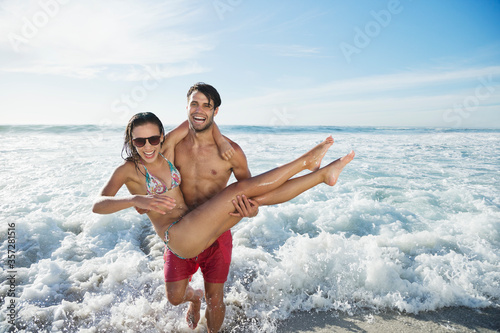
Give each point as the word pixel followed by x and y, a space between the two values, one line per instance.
pixel 275 63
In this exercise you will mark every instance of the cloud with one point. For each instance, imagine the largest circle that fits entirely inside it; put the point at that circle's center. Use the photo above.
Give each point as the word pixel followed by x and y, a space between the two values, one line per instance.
pixel 463 90
pixel 274 26
pixel 114 73
pixel 94 38
pixel 290 50
pixel 138 73
pixel 404 81
pixel 388 84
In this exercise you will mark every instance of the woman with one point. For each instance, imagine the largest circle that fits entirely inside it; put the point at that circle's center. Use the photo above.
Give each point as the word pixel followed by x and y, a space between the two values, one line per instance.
pixel 153 182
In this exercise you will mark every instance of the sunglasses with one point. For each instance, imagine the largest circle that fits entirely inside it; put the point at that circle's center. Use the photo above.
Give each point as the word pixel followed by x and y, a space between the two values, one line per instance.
pixel 153 141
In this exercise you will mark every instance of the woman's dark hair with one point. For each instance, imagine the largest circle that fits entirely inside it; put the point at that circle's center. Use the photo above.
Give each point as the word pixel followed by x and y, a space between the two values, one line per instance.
pixel 210 93
pixel 138 119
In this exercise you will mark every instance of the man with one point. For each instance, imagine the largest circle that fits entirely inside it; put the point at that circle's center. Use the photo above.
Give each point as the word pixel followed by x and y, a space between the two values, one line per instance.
pixel 205 173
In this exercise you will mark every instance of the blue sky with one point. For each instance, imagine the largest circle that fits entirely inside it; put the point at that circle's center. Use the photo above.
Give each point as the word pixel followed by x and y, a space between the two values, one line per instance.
pixel 338 63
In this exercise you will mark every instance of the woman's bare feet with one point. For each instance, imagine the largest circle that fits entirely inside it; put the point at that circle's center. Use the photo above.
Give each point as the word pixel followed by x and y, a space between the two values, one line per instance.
pixel 314 156
pixel 333 170
pixel 193 313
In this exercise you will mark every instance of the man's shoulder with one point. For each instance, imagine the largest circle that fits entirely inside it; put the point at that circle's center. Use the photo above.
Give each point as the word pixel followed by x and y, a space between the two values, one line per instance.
pixel 238 162
pixel 183 146
pixel 234 144
pixel 237 149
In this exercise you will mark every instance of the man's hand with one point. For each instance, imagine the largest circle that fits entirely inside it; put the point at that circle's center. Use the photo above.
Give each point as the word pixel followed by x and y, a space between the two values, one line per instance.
pixel 245 207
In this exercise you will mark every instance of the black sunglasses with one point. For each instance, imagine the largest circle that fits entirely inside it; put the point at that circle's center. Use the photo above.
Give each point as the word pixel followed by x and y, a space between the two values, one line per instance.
pixel 153 141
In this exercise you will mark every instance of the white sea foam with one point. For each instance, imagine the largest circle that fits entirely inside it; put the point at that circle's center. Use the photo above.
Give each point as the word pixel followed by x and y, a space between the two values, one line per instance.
pixel 413 225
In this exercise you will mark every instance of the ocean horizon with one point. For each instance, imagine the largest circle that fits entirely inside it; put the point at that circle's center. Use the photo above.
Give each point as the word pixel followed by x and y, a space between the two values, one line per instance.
pixel 262 127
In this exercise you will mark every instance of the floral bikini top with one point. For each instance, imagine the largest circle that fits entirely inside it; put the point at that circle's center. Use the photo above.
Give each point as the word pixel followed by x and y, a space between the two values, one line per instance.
pixel 156 186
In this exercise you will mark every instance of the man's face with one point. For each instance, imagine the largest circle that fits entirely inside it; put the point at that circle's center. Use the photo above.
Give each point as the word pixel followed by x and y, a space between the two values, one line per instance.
pixel 201 111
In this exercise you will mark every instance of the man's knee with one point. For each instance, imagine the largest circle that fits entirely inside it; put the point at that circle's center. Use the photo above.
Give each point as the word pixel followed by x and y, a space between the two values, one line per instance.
pixel 175 298
pixel 214 300
pixel 176 294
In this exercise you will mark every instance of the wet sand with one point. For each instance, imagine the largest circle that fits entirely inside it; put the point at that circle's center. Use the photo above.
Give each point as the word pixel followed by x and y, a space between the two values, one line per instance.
pixel 456 319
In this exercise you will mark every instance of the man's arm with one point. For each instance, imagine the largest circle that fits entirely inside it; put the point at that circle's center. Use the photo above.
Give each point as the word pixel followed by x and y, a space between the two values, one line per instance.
pixel 239 164
pixel 244 206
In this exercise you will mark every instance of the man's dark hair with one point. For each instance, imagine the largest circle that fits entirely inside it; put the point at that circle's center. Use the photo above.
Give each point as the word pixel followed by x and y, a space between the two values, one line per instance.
pixel 210 93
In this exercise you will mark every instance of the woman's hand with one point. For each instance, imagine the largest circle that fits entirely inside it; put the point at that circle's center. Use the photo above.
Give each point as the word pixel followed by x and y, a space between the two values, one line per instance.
pixel 154 203
pixel 226 150
pixel 141 211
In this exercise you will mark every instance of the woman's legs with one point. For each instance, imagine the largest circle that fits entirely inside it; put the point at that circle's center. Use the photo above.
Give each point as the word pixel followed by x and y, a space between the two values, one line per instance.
pixel 201 227
pixel 272 179
pixel 293 187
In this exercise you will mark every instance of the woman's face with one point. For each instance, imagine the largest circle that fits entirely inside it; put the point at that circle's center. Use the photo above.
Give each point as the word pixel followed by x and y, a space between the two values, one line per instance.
pixel 150 148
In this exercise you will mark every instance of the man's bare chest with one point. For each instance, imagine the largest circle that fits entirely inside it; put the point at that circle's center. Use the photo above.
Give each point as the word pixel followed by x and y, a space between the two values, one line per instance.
pixel 202 164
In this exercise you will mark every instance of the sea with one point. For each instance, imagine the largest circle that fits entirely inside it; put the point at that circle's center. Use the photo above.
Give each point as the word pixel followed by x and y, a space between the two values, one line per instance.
pixel 413 225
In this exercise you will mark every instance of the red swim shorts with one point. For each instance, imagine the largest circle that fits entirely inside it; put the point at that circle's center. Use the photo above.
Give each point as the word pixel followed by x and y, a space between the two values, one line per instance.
pixel 214 262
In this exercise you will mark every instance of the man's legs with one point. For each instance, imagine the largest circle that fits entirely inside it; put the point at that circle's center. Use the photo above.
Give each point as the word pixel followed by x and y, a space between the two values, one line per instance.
pixel 179 292
pixel 216 309
pixel 214 264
